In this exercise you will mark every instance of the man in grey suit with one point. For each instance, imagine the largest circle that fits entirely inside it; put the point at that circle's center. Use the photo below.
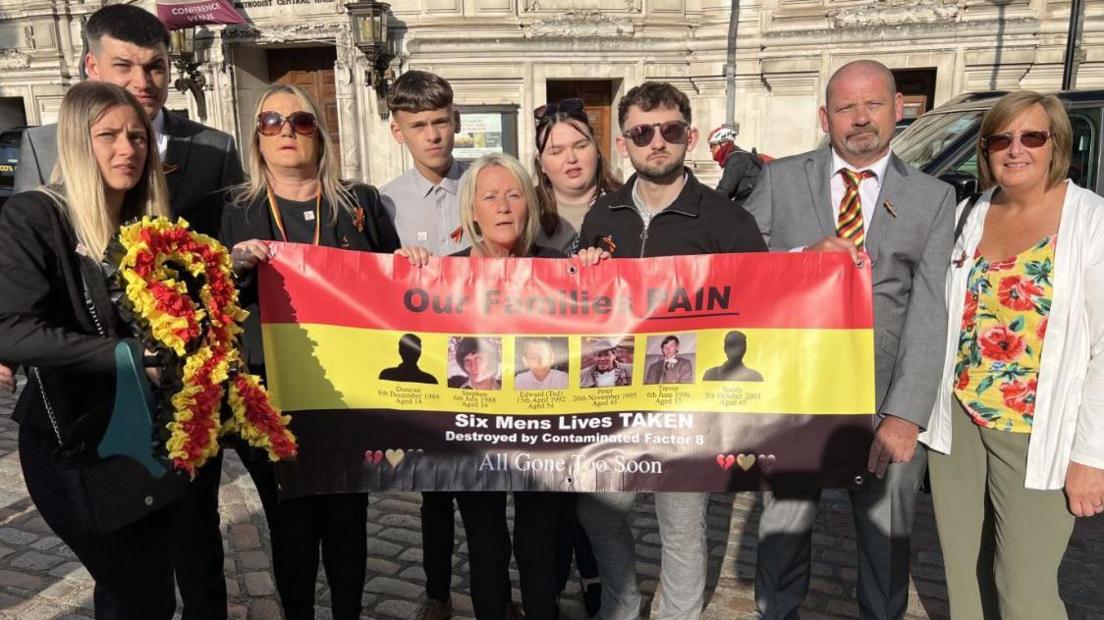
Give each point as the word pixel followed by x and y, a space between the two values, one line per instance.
pixel 856 195
pixel 128 46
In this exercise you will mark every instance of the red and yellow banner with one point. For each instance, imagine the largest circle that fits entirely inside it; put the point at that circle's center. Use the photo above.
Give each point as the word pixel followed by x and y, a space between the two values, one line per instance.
pixel 680 373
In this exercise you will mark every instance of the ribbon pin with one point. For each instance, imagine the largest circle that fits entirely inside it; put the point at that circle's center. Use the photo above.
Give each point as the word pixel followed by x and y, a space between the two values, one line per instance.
pixel 889 207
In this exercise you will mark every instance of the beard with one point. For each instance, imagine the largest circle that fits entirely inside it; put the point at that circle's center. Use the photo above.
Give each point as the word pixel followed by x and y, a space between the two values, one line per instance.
pixel 863 142
pixel 659 172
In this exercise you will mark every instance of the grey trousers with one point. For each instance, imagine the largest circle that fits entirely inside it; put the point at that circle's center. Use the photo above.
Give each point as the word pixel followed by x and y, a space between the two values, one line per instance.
pixel 1002 544
pixel 681 517
pixel 883 513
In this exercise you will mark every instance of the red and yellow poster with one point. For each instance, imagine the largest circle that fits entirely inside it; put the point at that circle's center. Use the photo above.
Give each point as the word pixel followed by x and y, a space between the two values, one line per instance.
pixel 689 373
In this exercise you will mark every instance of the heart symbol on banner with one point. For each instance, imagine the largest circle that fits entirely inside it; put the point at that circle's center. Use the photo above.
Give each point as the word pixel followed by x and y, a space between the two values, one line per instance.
pixel 725 461
pixel 745 461
pixel 394 457
pixel 373 456
pixel 766 462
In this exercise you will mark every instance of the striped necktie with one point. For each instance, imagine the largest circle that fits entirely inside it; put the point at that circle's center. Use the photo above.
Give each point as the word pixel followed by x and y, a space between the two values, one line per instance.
pixel 849 224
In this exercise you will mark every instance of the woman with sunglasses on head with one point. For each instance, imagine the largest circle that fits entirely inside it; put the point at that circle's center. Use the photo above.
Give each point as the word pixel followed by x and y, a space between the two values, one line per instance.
pixel 58 321
pixel 294 194
pixel 571 172
pixel 1016 437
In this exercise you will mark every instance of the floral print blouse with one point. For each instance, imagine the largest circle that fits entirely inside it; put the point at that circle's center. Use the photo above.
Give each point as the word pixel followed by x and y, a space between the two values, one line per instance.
pixel 1003 323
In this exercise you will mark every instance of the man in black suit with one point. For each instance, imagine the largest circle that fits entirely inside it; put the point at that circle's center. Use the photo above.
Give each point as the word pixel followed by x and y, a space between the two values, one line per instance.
pixel 128 46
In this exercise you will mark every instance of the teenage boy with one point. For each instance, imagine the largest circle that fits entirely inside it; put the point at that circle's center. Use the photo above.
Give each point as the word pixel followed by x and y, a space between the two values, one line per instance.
pixel 425 207
pixel 422 202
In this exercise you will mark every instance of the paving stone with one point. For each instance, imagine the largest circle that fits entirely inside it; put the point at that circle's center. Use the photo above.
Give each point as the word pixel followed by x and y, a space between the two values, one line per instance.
pixel 392 608
pixel 35 561
pixel 16 537
pixel 396 587
pixel 259 584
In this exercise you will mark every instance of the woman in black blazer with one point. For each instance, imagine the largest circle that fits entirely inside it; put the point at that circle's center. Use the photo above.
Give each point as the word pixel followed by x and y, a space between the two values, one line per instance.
pixel 51 243
pixel 294 194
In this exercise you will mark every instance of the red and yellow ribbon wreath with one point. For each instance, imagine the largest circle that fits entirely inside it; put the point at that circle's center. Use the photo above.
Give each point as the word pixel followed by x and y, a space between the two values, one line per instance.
pixel 177 288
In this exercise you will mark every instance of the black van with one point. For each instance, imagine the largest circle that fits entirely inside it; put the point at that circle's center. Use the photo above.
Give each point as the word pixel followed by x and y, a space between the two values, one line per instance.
pixel 10 141
pixel 943 142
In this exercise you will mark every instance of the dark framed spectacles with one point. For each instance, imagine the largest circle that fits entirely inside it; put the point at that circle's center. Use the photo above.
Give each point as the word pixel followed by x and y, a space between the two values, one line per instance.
pixel 570 107
pixel 674 132
pixel 1002 141
pixel 271 123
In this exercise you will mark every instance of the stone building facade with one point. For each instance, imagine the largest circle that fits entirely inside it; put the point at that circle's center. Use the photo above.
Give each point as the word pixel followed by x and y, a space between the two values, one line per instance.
pixel 505 57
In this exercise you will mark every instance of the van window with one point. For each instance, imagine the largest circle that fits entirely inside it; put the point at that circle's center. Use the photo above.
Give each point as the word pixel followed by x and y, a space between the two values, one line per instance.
pixel 927 138
pixel 1083 159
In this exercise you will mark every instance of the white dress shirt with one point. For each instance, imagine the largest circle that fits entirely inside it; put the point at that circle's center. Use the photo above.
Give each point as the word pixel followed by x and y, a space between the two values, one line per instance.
pixel 159 134
pixel 868 188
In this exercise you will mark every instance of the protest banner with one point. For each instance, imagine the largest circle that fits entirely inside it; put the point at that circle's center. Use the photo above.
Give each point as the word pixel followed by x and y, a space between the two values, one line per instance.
pixel 688 373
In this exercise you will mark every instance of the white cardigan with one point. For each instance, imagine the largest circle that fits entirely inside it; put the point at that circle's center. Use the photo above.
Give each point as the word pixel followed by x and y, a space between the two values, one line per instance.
pixel 1069 403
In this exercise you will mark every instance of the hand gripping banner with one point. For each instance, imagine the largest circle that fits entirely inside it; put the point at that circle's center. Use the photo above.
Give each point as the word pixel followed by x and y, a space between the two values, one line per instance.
pixel 688 373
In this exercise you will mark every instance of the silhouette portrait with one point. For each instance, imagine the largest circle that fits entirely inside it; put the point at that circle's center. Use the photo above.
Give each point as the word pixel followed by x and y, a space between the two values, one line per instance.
pixel 671 365
pixel 541 364
pixel 410 351
pixel 733 369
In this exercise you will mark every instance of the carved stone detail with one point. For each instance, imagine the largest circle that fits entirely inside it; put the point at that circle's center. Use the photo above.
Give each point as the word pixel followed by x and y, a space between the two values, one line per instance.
pixel 579 24
pixel 12 59
pixel 282 33
pixel 881 13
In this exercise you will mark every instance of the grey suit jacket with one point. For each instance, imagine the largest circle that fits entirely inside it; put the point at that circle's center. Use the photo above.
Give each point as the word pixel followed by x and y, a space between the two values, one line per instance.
pixel 910 248
pixel 199 160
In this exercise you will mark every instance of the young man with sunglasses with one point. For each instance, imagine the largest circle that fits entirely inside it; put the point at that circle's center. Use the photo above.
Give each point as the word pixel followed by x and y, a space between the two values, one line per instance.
pixel 128 46
pixel 663 210
pixel 850 196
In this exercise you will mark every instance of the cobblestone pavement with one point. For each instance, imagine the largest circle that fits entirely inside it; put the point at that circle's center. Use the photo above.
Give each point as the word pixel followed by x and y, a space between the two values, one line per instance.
pixel 41 579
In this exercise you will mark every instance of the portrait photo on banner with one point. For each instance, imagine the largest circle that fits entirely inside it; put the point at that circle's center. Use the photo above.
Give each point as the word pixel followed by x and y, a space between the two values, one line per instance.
pixel 607 361
pixel 540 363
pixel 670 358
pixel 475 362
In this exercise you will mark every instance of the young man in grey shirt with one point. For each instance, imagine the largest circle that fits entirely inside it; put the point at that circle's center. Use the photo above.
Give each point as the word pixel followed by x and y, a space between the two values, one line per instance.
pixel 423 201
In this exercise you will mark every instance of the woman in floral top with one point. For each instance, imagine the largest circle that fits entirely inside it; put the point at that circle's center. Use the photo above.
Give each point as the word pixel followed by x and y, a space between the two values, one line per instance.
pixel 1003 324
pixel 1022 396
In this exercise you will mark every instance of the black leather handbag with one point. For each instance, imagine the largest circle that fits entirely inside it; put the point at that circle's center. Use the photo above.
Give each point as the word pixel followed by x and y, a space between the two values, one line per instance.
pixel 113 492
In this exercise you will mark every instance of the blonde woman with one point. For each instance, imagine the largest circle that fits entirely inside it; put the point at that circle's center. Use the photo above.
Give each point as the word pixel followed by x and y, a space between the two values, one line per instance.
pixel 51 240
pixel 295 195
pixel 1017 433
pixel 498 212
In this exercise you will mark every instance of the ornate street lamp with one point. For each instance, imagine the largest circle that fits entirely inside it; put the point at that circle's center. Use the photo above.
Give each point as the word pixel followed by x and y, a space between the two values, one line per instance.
pixel 369 24
pixel 183 56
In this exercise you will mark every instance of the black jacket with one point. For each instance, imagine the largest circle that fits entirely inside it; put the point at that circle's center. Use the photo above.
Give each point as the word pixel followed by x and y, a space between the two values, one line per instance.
pixel 376 234
pixel 741 171
pixel 699 221
pixel 45 323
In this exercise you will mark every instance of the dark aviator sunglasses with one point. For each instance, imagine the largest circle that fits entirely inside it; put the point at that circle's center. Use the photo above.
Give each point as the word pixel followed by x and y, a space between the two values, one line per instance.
pixel 1002 141
pixel 272 123
pixel 674 132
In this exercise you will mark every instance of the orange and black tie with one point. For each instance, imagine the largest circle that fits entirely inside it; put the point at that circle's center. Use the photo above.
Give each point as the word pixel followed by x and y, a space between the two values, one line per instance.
pixel 849 225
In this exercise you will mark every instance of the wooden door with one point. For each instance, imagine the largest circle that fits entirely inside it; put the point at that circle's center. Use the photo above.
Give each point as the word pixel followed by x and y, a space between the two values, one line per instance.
pixel 312 69
pixel 597 96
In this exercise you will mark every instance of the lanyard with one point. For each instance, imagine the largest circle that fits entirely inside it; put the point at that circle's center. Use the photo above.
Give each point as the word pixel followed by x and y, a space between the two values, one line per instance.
pixel 275 211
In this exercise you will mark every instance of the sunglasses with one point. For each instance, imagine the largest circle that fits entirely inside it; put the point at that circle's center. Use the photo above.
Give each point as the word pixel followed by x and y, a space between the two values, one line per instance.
pixel 1002 141
pixel 674 132
pixel 570 107
pixel 272 123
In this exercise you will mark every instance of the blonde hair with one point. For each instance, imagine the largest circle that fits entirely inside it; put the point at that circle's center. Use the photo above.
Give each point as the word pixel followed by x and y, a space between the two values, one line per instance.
pixel 77 174
pixel 1005 111
pixel 335 192
pixel 524 244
